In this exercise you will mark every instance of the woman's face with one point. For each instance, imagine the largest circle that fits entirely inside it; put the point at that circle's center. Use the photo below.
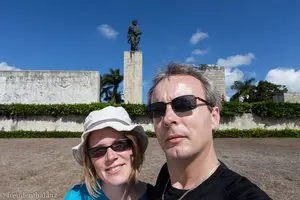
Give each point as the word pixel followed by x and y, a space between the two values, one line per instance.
pixel 113 167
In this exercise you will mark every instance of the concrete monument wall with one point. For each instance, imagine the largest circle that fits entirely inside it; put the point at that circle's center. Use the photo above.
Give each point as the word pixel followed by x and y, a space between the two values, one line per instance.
pixel 217 76
pixel 290 97
pixel 49 87
pixel 133 80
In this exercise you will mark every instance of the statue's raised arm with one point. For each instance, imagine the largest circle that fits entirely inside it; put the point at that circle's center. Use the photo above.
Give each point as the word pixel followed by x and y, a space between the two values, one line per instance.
pixel 134 35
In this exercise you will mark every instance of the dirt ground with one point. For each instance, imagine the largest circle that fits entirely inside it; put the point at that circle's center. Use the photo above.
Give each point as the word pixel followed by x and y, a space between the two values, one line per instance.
pixel 45 168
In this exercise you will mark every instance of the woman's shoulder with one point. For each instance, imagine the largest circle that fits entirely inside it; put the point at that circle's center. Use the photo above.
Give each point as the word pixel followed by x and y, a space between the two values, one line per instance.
pixel 78 191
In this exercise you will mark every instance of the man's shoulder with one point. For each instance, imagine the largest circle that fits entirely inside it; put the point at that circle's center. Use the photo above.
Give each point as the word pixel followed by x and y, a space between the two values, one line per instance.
pixel 224 183
pixel 236 186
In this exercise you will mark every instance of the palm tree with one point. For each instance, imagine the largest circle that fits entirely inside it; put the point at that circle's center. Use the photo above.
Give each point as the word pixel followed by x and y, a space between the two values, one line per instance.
pixel 243 89
pixel 104 89
pixel 110 83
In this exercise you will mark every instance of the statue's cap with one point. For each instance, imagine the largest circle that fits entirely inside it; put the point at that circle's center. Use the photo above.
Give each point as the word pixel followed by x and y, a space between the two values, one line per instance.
pixel 134 22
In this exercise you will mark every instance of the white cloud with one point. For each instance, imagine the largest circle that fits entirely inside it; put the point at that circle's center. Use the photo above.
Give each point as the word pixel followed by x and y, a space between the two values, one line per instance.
pixel 199 52
pixel 190 59
pixel 5 67
pixel 285 76
pixel 237 60
pixel 232 75
pixel 107 31
pixel 198 36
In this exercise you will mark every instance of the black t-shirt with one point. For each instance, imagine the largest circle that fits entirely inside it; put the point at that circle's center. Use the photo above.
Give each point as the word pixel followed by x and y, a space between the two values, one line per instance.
pixel 223 184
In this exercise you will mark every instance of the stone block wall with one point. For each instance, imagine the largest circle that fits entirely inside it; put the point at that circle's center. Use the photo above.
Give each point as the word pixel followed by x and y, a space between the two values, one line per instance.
pixel 49 87
pixel 292 97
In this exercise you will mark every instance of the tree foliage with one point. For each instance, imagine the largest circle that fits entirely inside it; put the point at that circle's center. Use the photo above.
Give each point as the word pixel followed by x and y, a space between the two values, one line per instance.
pixel 247 91
pixel 243 89
pixel 109 85
pixel 265 91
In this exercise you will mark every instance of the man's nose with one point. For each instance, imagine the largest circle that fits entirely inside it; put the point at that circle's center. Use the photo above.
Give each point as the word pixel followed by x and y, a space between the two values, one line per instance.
pixel 170 116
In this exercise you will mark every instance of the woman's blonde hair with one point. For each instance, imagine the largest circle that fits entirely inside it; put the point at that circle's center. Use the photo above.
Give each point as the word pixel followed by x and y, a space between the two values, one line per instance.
pixel 90 177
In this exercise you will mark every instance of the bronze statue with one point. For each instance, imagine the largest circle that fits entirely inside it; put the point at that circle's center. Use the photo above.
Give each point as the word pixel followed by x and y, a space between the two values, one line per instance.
pixel 133 35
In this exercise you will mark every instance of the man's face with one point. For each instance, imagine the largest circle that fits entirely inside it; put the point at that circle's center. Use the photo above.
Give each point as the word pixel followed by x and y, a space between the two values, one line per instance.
pixel 184 134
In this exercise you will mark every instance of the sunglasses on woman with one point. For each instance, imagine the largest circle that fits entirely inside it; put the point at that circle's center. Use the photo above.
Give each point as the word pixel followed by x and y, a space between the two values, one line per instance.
pixel 118 146
pixel 179 104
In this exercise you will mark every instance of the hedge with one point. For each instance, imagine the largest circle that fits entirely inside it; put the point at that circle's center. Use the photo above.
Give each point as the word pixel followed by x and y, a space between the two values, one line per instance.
pixel 229 133
pixel 235 108
pixel 276 110
pixel 257 133
pixel 263 109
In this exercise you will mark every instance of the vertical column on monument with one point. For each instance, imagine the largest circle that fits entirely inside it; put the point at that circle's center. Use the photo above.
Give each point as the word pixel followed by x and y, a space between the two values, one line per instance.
pixel 217 76
pixel 133 67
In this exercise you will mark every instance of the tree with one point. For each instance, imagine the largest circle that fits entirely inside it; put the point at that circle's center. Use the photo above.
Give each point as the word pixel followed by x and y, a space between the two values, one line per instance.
pixel 243 89
pixel 265 91
pixel 104 89
pixel 203 67
pixel 109 86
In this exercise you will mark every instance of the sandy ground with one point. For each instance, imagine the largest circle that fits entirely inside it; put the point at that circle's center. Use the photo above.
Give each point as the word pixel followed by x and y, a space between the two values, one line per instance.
pixel 45 168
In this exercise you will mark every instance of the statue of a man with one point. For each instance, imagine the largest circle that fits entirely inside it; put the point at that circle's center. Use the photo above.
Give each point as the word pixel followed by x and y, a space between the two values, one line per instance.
pixel 134 34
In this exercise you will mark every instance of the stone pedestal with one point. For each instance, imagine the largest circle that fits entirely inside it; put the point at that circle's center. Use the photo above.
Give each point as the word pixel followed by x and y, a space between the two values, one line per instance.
pixel 133 80
pixel 217 76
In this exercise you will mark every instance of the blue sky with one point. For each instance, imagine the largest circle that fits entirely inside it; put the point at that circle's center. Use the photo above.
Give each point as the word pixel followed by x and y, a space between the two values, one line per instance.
pixel 250 38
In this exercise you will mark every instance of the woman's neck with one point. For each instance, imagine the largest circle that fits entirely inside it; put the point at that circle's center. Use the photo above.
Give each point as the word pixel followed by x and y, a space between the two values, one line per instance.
pixel 114 192
pixel 124 191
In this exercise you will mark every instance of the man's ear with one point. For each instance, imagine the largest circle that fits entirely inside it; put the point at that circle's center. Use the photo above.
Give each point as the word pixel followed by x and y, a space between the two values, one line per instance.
pixel 215 118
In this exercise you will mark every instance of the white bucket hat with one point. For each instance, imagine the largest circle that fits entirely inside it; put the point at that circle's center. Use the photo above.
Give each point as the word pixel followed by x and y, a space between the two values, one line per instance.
pixel 113 117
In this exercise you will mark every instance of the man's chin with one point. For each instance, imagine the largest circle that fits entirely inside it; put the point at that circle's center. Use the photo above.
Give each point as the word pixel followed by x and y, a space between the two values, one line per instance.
pixel 177 153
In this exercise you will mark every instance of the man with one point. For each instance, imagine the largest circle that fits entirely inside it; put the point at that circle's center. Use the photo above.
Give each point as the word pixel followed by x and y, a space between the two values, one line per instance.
pixel 185 108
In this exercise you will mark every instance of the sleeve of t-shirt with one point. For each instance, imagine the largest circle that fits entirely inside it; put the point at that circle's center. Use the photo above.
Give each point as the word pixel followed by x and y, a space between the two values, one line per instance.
pixel 244 189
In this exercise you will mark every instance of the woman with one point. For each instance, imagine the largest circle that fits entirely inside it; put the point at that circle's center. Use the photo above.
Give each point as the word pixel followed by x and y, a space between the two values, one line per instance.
pixel 111 152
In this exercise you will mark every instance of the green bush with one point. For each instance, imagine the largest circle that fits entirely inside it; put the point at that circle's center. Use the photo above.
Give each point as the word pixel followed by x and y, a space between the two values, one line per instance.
pixel 54 110
pixel 257 133
pixel 135 109
pixel 230 133
pixel 39 134
pixel 235 108
pixel 276 110
pixel 264 109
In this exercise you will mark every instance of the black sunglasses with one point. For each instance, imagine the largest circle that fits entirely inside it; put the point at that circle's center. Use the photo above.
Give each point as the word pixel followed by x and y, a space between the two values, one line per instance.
pixel 179 104
pixel 118 146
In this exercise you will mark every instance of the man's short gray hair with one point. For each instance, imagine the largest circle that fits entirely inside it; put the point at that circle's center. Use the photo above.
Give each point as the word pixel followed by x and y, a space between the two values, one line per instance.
pixel 212 95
